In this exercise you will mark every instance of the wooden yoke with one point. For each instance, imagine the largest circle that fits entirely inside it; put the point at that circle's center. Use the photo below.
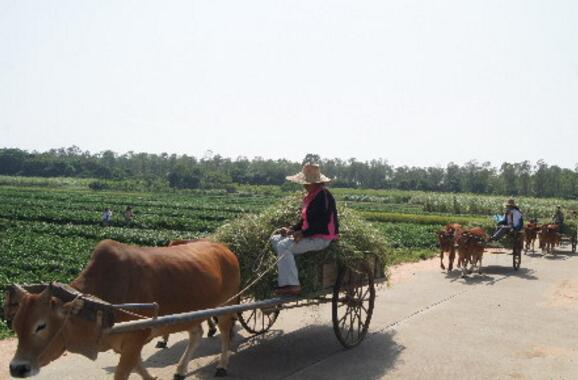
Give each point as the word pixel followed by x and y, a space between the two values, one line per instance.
pixel 88 307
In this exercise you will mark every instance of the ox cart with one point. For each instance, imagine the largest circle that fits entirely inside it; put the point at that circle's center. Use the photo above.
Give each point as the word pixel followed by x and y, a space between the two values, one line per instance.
pixel 349 288
pixel 569 234
pixel 552 235
pixel 515 240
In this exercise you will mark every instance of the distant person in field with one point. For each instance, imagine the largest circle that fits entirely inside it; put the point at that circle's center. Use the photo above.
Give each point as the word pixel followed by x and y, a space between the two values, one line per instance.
pixel 107 217
pixel 558 217
pixel 511 221
pixel 317 227
pixel 128 214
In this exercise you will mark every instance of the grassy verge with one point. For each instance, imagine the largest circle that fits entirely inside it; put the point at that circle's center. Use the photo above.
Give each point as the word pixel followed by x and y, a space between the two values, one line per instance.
pixel 411 255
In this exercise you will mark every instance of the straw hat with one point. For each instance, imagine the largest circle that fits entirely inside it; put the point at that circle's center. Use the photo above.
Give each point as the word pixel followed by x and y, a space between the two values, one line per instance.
pixel 510 203
pixel 309 174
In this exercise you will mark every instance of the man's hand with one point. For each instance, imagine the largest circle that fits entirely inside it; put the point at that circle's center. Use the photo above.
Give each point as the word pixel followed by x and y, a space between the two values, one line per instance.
pixel 284 231
pixel 297 236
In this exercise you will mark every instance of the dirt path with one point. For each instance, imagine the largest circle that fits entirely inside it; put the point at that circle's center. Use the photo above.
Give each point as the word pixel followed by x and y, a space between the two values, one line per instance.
pixel 502 324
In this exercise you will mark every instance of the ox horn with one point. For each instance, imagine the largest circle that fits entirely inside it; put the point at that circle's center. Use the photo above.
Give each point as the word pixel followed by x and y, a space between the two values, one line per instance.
pixel 14 294
pixel 19 291
pixel 46 294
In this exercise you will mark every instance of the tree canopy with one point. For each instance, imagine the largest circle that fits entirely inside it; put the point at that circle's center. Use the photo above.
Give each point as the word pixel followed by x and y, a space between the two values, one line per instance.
pixel 215 171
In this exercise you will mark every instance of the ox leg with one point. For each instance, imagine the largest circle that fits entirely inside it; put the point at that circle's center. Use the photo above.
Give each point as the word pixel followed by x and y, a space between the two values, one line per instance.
pixel 195 335
pixel 442 260
pixel 163 342
pixel 480 265
pixel 472 265
pixel 225 326
pixel 464 264
pixel 452 258
pixel 212 328
pixel 130 357
pixel 141 370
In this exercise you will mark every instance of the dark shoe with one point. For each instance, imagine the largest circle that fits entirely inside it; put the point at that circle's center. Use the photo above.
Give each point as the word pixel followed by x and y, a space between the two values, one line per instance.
pixel 287 291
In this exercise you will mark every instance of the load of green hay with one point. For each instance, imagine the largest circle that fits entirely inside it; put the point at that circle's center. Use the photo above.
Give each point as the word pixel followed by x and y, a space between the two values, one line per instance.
pixel 569 228
pixel 249 236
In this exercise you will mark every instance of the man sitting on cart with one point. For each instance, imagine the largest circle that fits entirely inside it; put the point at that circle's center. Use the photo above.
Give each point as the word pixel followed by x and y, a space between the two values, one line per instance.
pixel 317 227
pixel 558 217
pixel 511 221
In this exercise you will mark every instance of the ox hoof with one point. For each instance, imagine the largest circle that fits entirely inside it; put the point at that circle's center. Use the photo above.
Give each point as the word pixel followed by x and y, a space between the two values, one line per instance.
pixel 178 377
pixel 221 372
pixel 161 344
pixel 211 332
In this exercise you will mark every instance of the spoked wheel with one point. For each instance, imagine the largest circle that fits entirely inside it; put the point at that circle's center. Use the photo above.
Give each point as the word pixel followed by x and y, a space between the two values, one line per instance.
pixel 258 321
pixel 352 305
pixel 517 258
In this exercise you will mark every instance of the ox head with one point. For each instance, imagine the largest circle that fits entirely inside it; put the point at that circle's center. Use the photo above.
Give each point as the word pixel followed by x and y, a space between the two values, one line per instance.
pixel 41 322
pixel 450 231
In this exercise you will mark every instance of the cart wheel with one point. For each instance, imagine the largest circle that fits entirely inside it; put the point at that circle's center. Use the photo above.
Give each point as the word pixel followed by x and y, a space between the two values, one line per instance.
pixel 352 305
pixel 517 258
pixel 517 252
pixel 258 321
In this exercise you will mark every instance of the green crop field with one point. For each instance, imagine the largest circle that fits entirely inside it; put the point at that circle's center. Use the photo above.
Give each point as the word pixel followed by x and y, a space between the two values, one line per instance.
pixel 48 227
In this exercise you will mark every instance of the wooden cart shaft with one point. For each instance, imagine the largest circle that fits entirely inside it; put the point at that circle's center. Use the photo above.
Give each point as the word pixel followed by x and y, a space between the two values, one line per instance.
pixel 173 319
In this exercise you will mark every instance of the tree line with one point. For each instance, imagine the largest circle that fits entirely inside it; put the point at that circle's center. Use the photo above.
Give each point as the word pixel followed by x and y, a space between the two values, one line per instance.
pixel 214 171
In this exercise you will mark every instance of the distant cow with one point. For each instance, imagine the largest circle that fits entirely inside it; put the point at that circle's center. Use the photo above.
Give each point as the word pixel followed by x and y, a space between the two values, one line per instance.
pixel 471 244
pixel 549 237
pixel 181 278
pixel 447 242
pixel 530 233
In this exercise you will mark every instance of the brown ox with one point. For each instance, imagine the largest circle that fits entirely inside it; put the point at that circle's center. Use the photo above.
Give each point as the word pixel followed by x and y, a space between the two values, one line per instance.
pixel 471 244
pixel 181 278
pixel 447 242
pixel 530 234
pixel 163 343
pixel 549 237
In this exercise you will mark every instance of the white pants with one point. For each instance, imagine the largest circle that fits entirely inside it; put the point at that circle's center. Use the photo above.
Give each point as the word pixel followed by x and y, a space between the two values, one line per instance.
pixel 286 248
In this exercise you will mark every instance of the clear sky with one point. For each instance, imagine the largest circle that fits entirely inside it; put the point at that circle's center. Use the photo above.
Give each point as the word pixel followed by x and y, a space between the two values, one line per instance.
pixel 414 82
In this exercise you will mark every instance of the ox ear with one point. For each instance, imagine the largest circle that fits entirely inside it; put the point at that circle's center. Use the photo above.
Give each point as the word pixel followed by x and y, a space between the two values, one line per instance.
pixel 12 298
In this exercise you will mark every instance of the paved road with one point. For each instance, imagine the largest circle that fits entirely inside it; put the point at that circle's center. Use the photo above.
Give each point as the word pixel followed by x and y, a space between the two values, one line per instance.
pixel 428 325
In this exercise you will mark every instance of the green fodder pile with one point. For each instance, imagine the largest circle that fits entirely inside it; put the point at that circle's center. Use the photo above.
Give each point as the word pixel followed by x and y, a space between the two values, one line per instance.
pixel 569 228
pixel 249 237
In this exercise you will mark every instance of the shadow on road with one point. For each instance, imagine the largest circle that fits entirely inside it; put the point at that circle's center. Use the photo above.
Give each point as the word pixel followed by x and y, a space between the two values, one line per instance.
pixel 534 254
pixel 558 256
pixel 277 356
pixel 492 274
